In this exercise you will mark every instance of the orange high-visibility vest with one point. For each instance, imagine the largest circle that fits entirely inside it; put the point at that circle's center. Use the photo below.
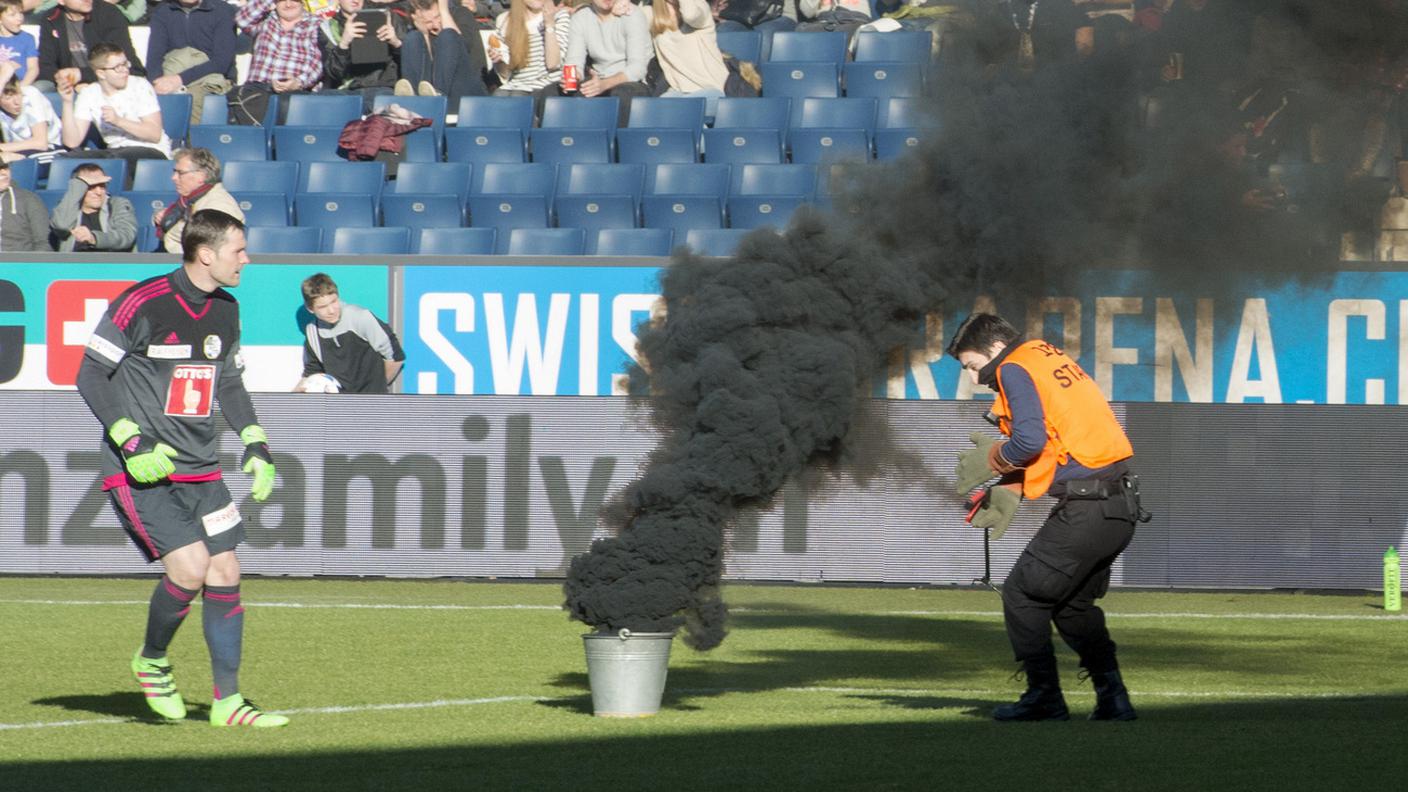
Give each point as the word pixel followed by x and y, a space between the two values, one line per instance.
pixel 1079 422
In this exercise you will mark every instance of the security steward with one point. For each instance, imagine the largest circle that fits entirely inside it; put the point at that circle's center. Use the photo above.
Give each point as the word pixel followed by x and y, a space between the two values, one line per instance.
pixel 1062 439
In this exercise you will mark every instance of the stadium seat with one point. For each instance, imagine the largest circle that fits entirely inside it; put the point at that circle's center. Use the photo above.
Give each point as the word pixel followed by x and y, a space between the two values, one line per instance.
pixel 544 242
pixel 597 179
pixel 25 173
pixel 563 145
pixel 146 239
pixel 857 113
pixel 175 116
pixel 745 45
pixel 265 208
pixel 215 110
pixel 455 241
pixel 572 112
pixel 798 81
pixel 421 145
pixel 743 145
pixel 495 112
pixel 342 177
pixel 674 112
pixel 759 179
pixel 261 177
pixel 61 170
pixel 755 113
pixel 715 241
pixel 815 146
pixel 154 174
pixel 508 211
pixel 649 145
pixel 307 143
pixel 906 46
pixel 703 179
pixel 881 80
pixel 283 239
pixel 390 240
pixel 892 143
pixel 433 177
pixel 525 178
pixel 146 203
pixel 485 144
pixel 432 107
pixel 333 210
pixel 422 210
pixel 813 46
pixel 50 198
pixel 756 211
pixel 592 212
pixel 903 112
pixel 630 242
pixel 229 142
pixel 681 212
pixel 305 109
pixel 56 102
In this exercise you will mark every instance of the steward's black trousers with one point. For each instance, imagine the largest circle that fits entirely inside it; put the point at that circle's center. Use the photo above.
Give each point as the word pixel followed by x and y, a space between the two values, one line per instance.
pixel 1058 577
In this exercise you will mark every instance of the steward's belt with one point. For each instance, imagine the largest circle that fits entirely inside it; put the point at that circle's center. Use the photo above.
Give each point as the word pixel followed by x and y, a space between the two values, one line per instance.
pixel 1092 489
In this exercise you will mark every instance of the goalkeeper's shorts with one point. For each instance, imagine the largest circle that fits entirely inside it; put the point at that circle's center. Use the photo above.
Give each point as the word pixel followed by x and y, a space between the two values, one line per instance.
pixel 169 515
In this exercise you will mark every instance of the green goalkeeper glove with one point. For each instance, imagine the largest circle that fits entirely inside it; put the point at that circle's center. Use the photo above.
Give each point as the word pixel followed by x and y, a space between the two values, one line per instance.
pixel 147 461
pixel 973 468
pixel 258 462
pixel 997 513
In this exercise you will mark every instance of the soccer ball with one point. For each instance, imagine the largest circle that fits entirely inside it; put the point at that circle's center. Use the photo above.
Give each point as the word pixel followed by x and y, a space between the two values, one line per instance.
pixel 319 383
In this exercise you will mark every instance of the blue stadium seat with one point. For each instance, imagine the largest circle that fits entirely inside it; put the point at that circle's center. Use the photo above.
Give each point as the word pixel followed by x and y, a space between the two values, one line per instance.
pixel 433 177
pixel 306 109
pixel 154 174
pixel 261 176
pixel 745 45
pixel 230 142
pixel 455 241
pixel 508 211
pixel 798 81
pixel 215 109
pixel 563 145
pixel 743 145
pixel 495 112
pixel 307 143
pixel 715 241
pixel 421 145
pixel 674 112
pixel 146 203
pixel 598 179
pixel 422 210
pixel 265 208
pixel 175 116
pixel 146 239
pixel 544 242
pixel 50 198
pixel 56 102
pixel 753 113
pixel 61 170
pixel 881 80
pixel 649 145
pixel 485 144
pixel 903 112
pixel 906 46
pixel 758 179
pixel 525 178
pixel 390 240
pixel 571 112
pixel 703 179
pixel 332 210
pixel 817 146
pixel 595 211
pixel 283 239
pixel 857 113
pixel 893 143
pixel 682 212
pixel 432 107
pixel 756 211
pixel 630 242
pixel 25 173
pixel 813 46
pixel 342 177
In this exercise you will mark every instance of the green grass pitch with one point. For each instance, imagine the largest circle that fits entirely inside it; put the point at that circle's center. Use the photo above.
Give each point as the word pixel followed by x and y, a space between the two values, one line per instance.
pixel 454 685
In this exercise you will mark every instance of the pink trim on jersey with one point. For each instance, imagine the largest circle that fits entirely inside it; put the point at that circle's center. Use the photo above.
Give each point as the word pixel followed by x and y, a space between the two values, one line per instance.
pixel 220 596
pixel 137 299
pixel 213 475
pixel 173 590
pixel 124 497
pixel 191 313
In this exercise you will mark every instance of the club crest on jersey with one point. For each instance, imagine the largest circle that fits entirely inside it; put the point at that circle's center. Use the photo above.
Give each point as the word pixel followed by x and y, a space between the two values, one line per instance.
pixel 212 347
pixel 191 391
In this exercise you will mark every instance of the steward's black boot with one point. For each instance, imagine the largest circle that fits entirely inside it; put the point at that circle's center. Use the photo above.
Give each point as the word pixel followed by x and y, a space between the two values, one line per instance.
pixel 1043 699
pixel 1111 698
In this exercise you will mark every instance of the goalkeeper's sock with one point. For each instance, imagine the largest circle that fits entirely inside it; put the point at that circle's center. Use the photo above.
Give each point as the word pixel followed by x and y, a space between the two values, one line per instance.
pixel 169 605
pixel 223 619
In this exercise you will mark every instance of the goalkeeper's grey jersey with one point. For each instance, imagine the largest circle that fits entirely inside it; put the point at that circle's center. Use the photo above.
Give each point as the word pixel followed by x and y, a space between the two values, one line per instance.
pixel 169 348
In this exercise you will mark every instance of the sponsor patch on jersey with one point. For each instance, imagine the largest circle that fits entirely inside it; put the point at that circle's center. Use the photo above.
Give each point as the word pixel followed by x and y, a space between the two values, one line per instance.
pixel 169 351
pixel 190 391
pixel 212 347
pixel 221 520
pixel 106 348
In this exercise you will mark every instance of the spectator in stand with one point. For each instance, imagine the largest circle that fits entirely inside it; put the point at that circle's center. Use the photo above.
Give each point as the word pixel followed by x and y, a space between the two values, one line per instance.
pixel 286 57
pixel 88 219
pixel 1035 34
pixel 442 55
pixel 17 46
pixel 196 174
pixel 1204 45
pixel 527 47
pixel 30 127
pixel 191 49
pixel 687 49
pixel 843 15
pixel 785 21
pixel 122 106
pixel 69 34
pixel 24 221
pixel 620 50
pixel 347 342
pixel 340 72
pixel 134 10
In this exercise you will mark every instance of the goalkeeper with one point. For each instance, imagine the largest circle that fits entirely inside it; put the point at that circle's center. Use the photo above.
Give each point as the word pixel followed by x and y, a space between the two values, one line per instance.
pixel 166 350
pixel 1062 439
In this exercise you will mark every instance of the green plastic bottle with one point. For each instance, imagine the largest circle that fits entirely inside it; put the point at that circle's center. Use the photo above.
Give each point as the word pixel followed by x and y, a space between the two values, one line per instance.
pixel 1393 582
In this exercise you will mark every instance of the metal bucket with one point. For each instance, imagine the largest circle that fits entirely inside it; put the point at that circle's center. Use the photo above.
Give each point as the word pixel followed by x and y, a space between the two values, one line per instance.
pixel 626 671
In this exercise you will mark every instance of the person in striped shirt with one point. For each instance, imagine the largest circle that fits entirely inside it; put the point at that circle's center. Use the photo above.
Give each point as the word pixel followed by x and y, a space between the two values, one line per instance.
pixel 527 47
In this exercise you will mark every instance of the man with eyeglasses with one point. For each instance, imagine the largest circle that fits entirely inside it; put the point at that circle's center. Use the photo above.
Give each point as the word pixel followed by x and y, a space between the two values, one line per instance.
pixel 122 107
pixel 197 180
pixel 87 219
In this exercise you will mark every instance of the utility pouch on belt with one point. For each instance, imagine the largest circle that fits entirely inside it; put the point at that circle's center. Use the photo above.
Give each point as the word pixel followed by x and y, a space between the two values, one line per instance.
pixel 1130 485
pixel 1087 489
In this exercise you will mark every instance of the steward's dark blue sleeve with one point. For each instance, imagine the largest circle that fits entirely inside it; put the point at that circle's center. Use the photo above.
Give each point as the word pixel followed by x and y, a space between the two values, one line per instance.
pixel 1028 418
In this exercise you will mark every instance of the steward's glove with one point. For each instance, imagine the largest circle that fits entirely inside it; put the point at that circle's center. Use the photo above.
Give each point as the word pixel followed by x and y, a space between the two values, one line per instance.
pixel 258 462
pixel 147 461
pixel 974 467
pixel 997 511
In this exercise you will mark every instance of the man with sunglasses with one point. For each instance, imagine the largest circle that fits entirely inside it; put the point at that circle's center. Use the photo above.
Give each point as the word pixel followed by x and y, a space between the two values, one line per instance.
pixel 87 219
pixel 123 107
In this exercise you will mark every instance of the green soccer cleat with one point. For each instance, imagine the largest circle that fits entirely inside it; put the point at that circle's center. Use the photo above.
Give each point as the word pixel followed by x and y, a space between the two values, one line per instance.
pixel 237 710
pixel 154 675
